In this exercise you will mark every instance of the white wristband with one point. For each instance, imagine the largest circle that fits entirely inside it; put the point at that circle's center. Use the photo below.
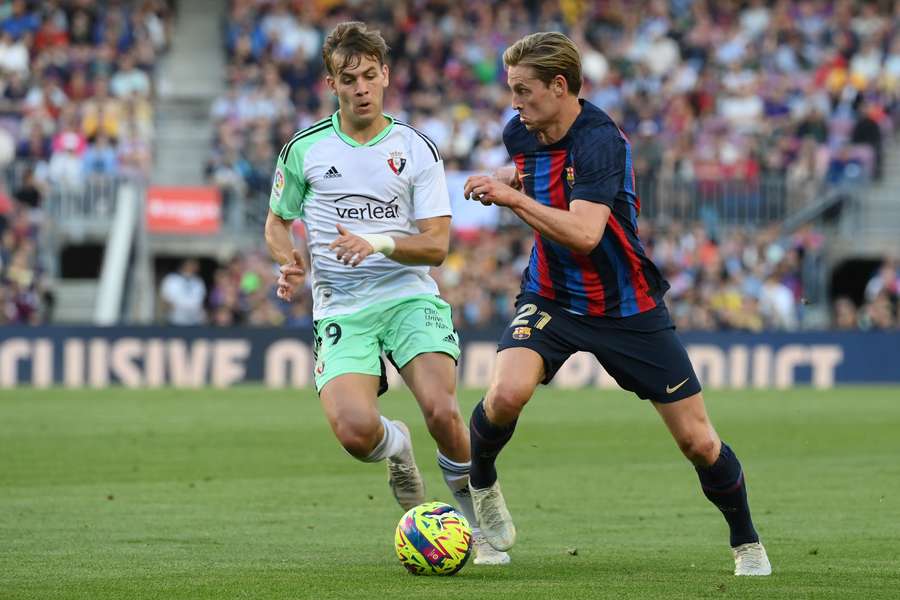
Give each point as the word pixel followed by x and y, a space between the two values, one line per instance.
pixel 381 243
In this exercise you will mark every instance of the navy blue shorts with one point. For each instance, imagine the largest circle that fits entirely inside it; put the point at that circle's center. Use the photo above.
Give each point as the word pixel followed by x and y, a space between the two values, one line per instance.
pixel 641 352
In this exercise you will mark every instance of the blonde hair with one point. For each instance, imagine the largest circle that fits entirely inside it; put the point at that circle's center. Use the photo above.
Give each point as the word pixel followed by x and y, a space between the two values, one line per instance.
pixel 550 54
pixel 352 40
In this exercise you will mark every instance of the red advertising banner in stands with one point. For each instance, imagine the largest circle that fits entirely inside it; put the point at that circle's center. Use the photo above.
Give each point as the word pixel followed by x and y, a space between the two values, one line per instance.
pixel 183 209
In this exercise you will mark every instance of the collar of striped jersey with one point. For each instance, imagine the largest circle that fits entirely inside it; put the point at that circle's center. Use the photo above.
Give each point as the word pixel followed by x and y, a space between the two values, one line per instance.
pixel 336 123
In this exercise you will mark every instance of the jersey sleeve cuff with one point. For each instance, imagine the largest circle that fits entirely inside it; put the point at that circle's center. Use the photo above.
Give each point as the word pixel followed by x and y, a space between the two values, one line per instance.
pixel 283 213
pixel 430 215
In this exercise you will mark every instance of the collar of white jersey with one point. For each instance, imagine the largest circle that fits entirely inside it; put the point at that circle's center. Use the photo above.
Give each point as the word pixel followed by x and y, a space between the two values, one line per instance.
pixel 336 123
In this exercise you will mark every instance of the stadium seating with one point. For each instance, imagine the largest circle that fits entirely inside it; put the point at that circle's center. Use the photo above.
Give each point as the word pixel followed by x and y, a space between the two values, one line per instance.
pixel 76 114
pixel 738 119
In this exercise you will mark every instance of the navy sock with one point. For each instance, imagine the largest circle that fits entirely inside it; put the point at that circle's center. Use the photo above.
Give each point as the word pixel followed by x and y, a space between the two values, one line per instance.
pixel 487 440
pixel 723 484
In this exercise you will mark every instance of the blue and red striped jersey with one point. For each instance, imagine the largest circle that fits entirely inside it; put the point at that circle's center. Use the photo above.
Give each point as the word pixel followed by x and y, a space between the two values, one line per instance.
pixel 592 162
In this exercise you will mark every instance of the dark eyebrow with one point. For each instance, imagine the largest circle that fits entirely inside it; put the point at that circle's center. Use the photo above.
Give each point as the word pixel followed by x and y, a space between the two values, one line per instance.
pixel 366 72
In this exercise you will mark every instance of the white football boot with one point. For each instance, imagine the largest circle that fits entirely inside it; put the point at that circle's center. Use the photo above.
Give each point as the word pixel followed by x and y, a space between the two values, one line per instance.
pixel 751 559
pixel 493 517
pixel 403 475
pixel 485 554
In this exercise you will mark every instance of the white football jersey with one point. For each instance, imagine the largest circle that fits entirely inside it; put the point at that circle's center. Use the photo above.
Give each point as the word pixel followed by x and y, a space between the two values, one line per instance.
pixel 383 186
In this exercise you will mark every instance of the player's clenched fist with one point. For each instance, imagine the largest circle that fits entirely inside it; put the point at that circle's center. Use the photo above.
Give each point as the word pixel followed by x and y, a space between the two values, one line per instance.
pixel 350 248
pixel 292 276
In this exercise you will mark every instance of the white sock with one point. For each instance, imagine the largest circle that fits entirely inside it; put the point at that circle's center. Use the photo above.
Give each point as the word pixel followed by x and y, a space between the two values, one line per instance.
pixel 393 443
pixel 456 475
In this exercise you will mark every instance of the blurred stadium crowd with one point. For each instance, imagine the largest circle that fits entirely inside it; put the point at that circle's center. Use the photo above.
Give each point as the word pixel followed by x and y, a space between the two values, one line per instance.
pixel 800 93
pixel 746 281
pixel 76 107
pixel 708 90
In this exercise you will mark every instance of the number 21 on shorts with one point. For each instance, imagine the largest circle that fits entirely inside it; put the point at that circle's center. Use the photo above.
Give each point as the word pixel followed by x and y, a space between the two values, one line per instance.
pixel 528 310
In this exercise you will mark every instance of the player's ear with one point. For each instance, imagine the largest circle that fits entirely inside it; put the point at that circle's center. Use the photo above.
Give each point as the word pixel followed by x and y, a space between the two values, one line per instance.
pixel 330 82
pixel 559 85
pixel 386 73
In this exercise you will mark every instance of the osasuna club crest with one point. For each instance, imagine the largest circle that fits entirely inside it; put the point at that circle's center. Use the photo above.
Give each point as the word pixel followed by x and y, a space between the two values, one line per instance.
pixel 396 162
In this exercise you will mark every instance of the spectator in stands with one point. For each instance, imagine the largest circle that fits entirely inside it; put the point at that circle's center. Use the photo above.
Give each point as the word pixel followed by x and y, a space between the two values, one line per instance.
pixel 36 147
pixel 13 54
pixel 14 90
pixel 129 80
pixel 101 112
pixel 844 316
pixel 886 283
pixel 46 95
pixel 182 293
pixel 100 158
pixel 878 313
pixel 867 131
pixel 66 167
pixel 78 89
pixel 777 304
pixel 20 20
pixel 844 167
pixel 135 156
pixel 30 192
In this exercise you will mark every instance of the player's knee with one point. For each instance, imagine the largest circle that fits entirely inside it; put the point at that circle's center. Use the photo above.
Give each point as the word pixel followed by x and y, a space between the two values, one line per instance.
pixel 505 401
pixel 442 416
pixel 357 440
pixel 699 449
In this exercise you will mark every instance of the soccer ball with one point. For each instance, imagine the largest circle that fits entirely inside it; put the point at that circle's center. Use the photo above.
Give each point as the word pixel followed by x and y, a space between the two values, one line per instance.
pixel 433 539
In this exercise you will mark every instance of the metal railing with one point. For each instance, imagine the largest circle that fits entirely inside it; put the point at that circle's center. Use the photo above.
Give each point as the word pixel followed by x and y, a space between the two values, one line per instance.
pixel 90 202
pixel 716 203
pixel 759 202
pixel 93 202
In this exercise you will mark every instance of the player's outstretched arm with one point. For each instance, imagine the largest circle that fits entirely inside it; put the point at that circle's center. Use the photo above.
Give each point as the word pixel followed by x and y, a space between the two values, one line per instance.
pixel 579 228
pixel 428 247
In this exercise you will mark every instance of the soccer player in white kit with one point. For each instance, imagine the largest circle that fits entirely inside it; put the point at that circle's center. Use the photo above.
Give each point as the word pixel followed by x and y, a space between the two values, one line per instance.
pixel 372 194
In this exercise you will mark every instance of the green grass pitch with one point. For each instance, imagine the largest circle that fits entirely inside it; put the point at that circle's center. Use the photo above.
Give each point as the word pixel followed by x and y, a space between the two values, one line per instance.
pixel 245 494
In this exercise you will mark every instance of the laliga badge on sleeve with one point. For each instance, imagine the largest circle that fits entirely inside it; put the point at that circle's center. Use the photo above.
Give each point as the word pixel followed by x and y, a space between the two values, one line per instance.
pixel 278 183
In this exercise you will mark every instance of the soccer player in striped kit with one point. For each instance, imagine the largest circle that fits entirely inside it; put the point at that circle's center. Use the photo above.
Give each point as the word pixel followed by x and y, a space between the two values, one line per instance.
pixel 589 286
